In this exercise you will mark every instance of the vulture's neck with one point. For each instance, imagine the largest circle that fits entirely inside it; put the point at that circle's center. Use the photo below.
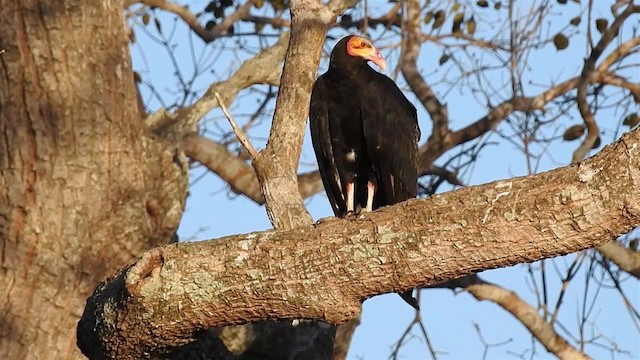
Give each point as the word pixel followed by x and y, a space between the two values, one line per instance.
pixel 350 72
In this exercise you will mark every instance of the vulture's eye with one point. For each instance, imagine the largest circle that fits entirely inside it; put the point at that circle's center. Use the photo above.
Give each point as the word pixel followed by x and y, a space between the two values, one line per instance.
pixel 363 44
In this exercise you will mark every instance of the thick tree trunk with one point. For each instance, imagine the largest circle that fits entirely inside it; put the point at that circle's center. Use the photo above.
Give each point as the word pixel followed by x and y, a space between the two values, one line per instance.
pixel 82 191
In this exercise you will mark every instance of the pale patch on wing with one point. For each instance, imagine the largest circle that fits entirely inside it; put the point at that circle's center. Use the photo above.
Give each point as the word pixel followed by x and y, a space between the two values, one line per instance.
pixel 339 184
pixel 351 156
pixel 393 183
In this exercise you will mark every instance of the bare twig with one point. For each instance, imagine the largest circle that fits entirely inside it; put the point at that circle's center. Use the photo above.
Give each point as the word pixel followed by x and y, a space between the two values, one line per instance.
pixel 572 271
pixel 244 140
pixel 529 317
pixel 486 344
pixel 432 150
pixel 417 321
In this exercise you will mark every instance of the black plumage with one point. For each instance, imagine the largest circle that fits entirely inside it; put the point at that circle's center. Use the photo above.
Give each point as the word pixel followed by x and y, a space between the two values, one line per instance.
pixel 365 133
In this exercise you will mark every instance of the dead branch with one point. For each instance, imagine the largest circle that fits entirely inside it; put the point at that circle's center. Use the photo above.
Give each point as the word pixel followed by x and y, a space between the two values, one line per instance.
pixel 242 137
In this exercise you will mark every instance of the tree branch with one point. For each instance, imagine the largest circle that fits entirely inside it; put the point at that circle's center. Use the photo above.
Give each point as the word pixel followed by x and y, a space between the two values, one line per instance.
pixel 408 63
pixel 528 316
pixel 542 330
pixel 619 53
pixel 221 29
pixel 244 140
pixel 277 164
pixel 432 150
pixel 276 168
pixel 324 271
pixel 238 174
pixel 626 259
pixel 589 67
pixel 261 69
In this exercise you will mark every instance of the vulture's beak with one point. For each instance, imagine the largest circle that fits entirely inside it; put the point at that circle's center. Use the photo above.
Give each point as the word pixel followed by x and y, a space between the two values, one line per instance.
pixel 377 59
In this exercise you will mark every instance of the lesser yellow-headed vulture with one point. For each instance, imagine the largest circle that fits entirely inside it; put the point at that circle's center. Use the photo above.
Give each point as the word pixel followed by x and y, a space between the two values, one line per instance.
pixel 365 133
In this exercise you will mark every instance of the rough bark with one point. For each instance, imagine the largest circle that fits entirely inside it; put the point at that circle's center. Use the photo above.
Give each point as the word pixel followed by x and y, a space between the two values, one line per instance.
pixel 279 160
pixel 324 271
pixel 276 168
pixel 82 191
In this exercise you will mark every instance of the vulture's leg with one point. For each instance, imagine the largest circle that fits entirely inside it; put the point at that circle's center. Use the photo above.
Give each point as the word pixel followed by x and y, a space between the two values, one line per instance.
pixel 371 190
pixel 351 201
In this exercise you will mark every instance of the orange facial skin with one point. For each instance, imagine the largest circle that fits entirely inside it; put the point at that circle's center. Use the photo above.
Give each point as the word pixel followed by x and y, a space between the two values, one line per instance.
pixel 361 47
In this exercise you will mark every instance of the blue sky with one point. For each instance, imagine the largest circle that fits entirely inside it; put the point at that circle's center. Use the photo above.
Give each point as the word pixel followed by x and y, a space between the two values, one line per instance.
pixel 451 319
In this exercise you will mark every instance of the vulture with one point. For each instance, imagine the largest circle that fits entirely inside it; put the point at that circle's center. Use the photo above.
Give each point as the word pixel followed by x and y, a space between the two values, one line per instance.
pixel 364 132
